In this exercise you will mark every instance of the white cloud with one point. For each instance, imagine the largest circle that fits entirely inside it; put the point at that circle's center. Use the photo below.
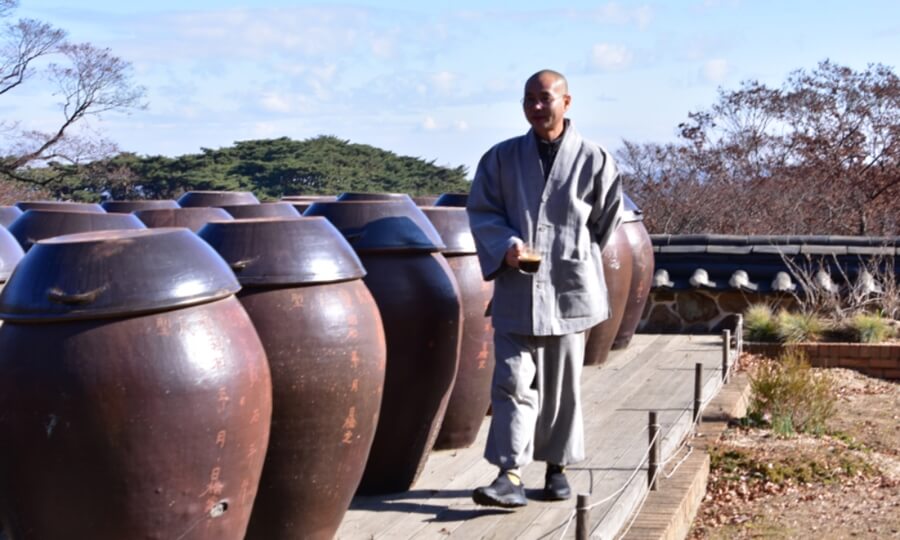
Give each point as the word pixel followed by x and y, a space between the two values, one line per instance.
pixel 443 81
pixel 264 129
pixel 614 13
pixel 715 70
pixel 382 47
pixel 608 56
pixel 643 15
pixel 461 125
pixel 274 102
pixel 429 124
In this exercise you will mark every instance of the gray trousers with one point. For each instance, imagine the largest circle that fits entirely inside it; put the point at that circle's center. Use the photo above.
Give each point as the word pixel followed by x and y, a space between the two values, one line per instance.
pixel 536 400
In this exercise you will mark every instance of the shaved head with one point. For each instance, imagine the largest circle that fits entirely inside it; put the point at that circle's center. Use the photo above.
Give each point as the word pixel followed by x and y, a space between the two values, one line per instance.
pixel 545 103
pixel 553 75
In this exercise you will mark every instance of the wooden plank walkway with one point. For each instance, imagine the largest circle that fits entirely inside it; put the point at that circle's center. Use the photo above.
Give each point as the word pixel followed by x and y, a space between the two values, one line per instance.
pixel 656 372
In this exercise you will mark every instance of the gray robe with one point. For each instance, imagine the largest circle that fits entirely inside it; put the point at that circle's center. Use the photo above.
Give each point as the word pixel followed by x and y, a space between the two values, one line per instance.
pixel 568 219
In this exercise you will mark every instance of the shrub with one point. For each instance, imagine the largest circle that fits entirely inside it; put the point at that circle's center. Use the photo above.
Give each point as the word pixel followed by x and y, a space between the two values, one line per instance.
pixel 760 324
pixel 791 395
pixel 799 327
pixel 870 328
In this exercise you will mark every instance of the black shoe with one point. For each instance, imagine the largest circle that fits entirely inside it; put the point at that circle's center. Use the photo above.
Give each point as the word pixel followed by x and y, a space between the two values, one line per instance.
pixel 556 486
pixel 507 491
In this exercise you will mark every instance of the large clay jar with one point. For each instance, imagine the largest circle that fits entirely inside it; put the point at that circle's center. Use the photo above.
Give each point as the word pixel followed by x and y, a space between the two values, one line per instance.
pixel 419 302
pixel 191 218
pixel 216 198
pixel 641 272
pixel 135 392
pixel 60 205
pixel 303 289
pixel 262 210
pixel 8 214
pixel 126 207
pixel 452 199
pixel 471 394
pixel 617 272
pixel 36 225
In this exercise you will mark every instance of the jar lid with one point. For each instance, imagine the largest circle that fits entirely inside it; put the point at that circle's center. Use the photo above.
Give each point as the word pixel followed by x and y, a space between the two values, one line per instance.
pixel 125 207
pixel 296 251
pixel 114 273
pixel 387 225
pixel 452 199
pixel 216 198
pixel 452 223
pixel 631 212
pixel 8 214
pixel 192 218
pixel 60 205
pixel 36 225
pixel 262 210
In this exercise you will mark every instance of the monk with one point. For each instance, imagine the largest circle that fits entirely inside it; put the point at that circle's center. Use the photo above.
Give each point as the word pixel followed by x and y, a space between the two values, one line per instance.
pixel 550 195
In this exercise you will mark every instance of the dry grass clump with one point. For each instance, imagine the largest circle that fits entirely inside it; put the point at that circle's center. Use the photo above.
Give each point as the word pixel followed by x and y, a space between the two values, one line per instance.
pixel 790 396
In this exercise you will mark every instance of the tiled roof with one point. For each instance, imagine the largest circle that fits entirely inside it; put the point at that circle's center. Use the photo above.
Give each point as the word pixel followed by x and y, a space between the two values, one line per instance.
pixel 767 263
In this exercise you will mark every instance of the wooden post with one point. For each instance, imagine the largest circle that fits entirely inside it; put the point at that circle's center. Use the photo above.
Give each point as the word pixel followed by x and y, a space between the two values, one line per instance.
pixel 698 382
pixel 726 352
pixel 653 460
pixel 583 517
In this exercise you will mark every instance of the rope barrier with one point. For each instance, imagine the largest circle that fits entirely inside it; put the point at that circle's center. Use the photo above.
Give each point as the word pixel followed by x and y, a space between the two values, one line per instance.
pixel 733 357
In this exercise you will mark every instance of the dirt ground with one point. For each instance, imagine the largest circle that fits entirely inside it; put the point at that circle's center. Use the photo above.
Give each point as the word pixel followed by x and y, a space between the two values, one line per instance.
pixel 843 484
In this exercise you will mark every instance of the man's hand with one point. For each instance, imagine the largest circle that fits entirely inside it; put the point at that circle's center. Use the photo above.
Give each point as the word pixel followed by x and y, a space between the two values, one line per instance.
pixel 513 254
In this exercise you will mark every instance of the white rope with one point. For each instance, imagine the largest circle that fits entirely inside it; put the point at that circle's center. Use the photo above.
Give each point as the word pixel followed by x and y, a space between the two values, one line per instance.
pixel 734 357
pixel 674 469
pixel 640 507
pixel 568 523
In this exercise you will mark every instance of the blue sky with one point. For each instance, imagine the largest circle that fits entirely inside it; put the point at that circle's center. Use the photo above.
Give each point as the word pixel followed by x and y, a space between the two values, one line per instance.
pixel 441 80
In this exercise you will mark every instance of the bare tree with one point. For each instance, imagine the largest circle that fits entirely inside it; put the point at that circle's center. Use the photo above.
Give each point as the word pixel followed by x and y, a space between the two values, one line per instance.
pixel 820 155
pixel 89 80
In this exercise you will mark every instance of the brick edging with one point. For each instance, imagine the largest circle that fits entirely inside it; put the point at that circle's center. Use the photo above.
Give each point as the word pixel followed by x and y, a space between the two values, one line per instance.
pixel 877 360
pixel 669 513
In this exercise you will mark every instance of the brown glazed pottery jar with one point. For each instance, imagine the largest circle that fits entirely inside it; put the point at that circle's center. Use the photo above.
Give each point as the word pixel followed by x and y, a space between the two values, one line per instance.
pixel 452 199
pixel 126 207
pixel 191 218
pixel 136 392
pixel 471 394
pixel 617 270
pixel 262 210
pixel 36 225
pixel 418 298
pixel 8 214
pixel 216 198
pixel 641 272
pixel 60 205
pixel 303 289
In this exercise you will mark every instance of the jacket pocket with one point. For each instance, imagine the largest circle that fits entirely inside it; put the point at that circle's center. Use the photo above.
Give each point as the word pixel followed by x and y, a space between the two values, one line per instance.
pixel 574 304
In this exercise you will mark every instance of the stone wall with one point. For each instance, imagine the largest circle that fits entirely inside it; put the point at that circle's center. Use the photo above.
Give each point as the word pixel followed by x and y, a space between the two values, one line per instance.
pixel 699 311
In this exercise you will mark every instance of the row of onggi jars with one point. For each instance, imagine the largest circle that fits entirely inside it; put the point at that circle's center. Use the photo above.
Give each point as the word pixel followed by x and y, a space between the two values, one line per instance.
pixel 161 383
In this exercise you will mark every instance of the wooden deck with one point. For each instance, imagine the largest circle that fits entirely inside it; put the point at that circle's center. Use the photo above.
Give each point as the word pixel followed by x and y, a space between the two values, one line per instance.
pixel 656 372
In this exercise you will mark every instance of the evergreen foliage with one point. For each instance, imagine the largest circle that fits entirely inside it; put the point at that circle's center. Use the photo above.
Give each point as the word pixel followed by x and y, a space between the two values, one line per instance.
pixel 270 168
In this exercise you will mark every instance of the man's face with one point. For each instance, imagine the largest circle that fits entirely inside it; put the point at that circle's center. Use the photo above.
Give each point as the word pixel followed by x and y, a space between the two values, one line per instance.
pixel 545 104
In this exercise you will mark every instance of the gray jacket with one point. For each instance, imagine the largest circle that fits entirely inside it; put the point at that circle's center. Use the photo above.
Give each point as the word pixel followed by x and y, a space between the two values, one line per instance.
pixel 569 219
